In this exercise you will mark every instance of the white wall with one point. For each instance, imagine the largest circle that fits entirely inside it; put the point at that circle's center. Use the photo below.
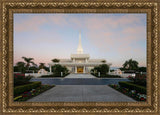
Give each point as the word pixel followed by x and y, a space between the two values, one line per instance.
pixel 124 75
pixel 37 74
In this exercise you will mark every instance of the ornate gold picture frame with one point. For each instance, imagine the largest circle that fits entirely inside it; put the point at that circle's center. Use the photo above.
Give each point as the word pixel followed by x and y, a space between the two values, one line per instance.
pixel 9 7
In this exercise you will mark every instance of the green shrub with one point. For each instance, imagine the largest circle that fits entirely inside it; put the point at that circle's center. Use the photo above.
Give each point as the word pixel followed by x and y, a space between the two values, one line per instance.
pixel 139 79
pixel 55 75
pixel 21 79
pixel 57 69
pixel 47 75
pixel 111 76
pixel 132 86
pixel 23 88
pixel 103 69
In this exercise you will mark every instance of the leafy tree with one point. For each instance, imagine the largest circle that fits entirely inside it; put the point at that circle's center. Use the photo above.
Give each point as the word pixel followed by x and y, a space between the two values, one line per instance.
pixel 122 69
pixel 28 62
pixel 103 69
pixel 103 61
pixel 55 60
pixel 34 68
pixel 20 67
pixel 41 66
pixel 130 65
pixel 96 69
pixel 46 68
pixel 142 69
pixel 20 64
pixel 57 69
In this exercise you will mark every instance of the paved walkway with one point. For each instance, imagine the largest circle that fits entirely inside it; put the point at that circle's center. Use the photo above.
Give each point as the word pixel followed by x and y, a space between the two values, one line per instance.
pixel 81 93
pixel 80 76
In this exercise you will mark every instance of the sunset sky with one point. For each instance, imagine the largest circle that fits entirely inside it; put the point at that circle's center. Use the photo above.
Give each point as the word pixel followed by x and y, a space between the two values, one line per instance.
pixel 114 37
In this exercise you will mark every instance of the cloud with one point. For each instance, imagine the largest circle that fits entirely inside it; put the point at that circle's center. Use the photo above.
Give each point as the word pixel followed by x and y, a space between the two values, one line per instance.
pixel 31 24
pixel 113 34
pixel 49 38
pixel 59 20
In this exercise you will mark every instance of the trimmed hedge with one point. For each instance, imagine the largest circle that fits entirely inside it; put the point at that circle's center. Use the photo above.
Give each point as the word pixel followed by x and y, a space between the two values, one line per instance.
pixel 112 76
pixel 47 75
pixel 23 88
pixel 132 86
pixel 54 75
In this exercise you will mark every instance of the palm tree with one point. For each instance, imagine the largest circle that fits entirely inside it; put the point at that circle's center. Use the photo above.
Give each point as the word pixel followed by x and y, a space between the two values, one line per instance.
pixel 42 65
pixel 28 62
pixel 130 65
pixel 55 60
pixel 21 66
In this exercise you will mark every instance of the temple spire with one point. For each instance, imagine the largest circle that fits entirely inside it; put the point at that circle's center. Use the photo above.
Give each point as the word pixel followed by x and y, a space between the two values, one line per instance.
pixel 79 49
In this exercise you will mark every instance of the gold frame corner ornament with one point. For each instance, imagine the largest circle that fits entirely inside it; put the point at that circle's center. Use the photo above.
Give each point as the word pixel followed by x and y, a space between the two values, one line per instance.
pixel 68 6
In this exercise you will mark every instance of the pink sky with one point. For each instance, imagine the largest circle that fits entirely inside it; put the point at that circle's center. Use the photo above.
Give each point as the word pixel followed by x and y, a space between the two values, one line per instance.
pixel 114 37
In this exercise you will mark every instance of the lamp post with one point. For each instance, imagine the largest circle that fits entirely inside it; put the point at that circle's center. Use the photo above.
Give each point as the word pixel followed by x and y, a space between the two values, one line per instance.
pixel 99 74
pixel 61 74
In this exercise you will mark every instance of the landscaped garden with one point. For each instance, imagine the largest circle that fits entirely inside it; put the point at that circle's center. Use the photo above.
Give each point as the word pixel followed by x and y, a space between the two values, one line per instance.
pixel 28 66
pixel 58 71
pixel 23 89
pixel 135 88
pixel 101 71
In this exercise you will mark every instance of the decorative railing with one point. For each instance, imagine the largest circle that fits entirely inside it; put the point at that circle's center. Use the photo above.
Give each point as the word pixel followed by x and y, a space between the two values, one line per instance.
pixel 79 64
pixel 80 56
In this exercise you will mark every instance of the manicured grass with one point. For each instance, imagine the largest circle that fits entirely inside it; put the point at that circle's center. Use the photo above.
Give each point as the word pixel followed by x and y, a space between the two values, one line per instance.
pixel 34 92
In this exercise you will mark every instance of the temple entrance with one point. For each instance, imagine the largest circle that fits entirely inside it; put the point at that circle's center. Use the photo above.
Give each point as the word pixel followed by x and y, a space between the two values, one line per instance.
pixel 79 69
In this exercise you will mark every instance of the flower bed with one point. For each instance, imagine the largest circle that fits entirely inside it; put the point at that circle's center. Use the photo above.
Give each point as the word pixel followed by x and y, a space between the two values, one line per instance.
pixel 139 79
pixel 132 86
pixel 131 93
pixel 27 87
pixel 34 92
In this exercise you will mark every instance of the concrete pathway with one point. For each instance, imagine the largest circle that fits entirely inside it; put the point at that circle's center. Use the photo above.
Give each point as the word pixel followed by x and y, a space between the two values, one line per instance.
pixel 80 76
pixel 81 93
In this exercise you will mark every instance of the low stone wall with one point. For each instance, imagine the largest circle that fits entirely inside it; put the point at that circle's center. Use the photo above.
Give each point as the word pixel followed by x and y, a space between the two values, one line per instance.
pixel 124 75
pixel 36 75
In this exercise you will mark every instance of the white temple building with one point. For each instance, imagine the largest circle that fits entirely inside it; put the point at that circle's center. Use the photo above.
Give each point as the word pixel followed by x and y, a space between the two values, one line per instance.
pixel 80 62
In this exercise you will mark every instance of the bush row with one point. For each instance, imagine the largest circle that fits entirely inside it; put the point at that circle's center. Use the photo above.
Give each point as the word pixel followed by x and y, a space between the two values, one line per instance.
pixel 21 79
pixel 112 76
pixel 23 88
pixel 132 86
pixel 139 79
pixel 55 75
pixel 106 76
pixel 47 75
